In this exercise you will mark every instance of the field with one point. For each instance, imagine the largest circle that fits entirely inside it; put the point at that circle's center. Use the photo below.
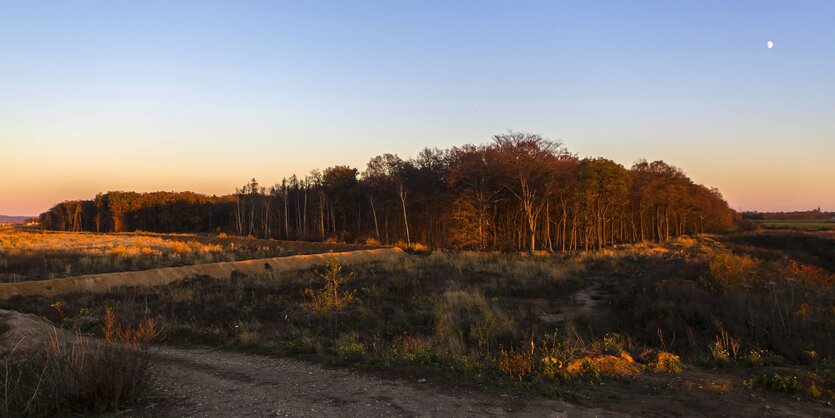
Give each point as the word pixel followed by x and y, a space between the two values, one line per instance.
pixel 35 255
pixel 750 316
pixel 799 224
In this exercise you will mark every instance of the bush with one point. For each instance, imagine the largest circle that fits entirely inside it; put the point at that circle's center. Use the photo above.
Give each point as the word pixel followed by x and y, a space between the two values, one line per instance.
pixel 593 367
pixel 756 358
pixel 720 305
pixel 661 361
pixel 776 382
pixel 349 347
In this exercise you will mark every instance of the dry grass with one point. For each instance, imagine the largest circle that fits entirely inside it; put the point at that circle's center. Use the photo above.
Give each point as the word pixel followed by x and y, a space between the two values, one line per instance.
pixel 719 306
pixel 467 313
pixel 480 315
pixel 77 374
pixel 15 241
pixel 465 318
pixel 28 255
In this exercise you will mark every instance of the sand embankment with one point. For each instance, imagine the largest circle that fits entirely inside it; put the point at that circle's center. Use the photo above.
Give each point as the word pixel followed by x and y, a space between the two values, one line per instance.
pixel 100 283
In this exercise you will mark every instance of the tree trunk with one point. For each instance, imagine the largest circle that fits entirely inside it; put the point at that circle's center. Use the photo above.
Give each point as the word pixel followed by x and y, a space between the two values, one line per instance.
pixel 374 212
pixel 405 217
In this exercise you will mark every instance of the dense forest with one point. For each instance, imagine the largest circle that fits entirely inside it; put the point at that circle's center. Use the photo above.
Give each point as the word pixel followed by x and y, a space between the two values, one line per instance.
pixel 521 191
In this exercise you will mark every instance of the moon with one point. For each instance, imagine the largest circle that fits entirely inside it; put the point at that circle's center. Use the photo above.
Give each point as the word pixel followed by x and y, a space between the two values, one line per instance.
pixel 770 44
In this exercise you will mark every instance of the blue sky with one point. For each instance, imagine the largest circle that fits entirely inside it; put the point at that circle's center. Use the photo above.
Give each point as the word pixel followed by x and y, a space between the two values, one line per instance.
pixel 204 95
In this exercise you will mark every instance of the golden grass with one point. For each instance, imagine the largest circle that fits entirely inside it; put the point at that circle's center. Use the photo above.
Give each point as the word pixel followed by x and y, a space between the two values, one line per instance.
pixel 34 255
pixel 14 242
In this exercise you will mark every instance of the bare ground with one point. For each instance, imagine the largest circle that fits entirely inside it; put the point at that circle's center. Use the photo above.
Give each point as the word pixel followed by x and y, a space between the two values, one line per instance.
pixel 204 382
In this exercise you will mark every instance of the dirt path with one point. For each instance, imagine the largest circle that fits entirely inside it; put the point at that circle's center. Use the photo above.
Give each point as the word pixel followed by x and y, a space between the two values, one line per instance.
pixel 583 303
pixel 212 383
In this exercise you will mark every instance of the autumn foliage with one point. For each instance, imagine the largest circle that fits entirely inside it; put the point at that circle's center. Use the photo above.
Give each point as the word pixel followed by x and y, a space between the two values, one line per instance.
pixel 520 192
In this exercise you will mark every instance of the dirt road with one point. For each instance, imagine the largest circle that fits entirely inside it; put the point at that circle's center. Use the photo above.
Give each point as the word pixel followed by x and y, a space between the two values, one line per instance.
pixel 211 383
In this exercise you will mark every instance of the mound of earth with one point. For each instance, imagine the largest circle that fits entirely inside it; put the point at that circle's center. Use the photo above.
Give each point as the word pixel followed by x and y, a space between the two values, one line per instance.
pixel 22 332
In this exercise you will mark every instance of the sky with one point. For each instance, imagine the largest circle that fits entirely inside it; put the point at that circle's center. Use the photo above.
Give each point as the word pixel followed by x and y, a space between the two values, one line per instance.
pixel 204 95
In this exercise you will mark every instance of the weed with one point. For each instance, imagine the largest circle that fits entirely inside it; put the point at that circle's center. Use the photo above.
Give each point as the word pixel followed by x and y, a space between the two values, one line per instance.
pixel 775 382
pixel 348 346
pixel 759 357
pixel 661 361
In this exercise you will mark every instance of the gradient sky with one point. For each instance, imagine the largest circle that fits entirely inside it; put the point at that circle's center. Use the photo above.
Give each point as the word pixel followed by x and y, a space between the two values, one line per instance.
pixel 142 95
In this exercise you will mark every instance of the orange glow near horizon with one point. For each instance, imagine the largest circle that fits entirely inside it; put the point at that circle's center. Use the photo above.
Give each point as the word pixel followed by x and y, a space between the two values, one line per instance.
pixel 760 183
pixel 213 95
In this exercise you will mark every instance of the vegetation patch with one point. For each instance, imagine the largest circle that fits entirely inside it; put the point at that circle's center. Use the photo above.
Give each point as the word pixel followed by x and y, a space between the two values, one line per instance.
pixel 75 374
pixel 40 256
pixel 500 319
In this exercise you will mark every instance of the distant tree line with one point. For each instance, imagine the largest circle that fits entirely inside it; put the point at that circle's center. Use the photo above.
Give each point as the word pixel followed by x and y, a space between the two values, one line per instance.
pixel 805 214
pixel 520 192
pixel 131 211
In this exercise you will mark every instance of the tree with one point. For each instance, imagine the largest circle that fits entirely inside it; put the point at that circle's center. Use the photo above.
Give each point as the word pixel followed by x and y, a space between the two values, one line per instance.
pixel 525 162
pixel 604 189
pixel 477 187
pixel 340 185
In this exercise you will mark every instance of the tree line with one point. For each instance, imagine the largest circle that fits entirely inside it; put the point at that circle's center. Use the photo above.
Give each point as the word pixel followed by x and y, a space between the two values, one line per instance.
pixel 519 192
pixel 132 211
pixel 784 216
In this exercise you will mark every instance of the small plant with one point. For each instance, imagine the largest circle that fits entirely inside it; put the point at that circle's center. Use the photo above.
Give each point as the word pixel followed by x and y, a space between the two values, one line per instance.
pixel 348 346
pixel 724 349
pixel 516 364
pixel 755 358
pixel 113 332
pixel 330 298
pixel 775 382
pixel 718 354
pixel 661 361
pixel 409 348
pixel 612 343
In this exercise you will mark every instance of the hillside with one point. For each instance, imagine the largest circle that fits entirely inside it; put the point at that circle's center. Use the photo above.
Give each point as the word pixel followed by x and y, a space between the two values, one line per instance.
pixel 7 219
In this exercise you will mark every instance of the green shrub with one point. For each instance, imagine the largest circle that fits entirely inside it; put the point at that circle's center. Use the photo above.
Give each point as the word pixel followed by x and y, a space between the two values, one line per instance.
pixel 756 358
pixel 775 382
pixel 349 347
